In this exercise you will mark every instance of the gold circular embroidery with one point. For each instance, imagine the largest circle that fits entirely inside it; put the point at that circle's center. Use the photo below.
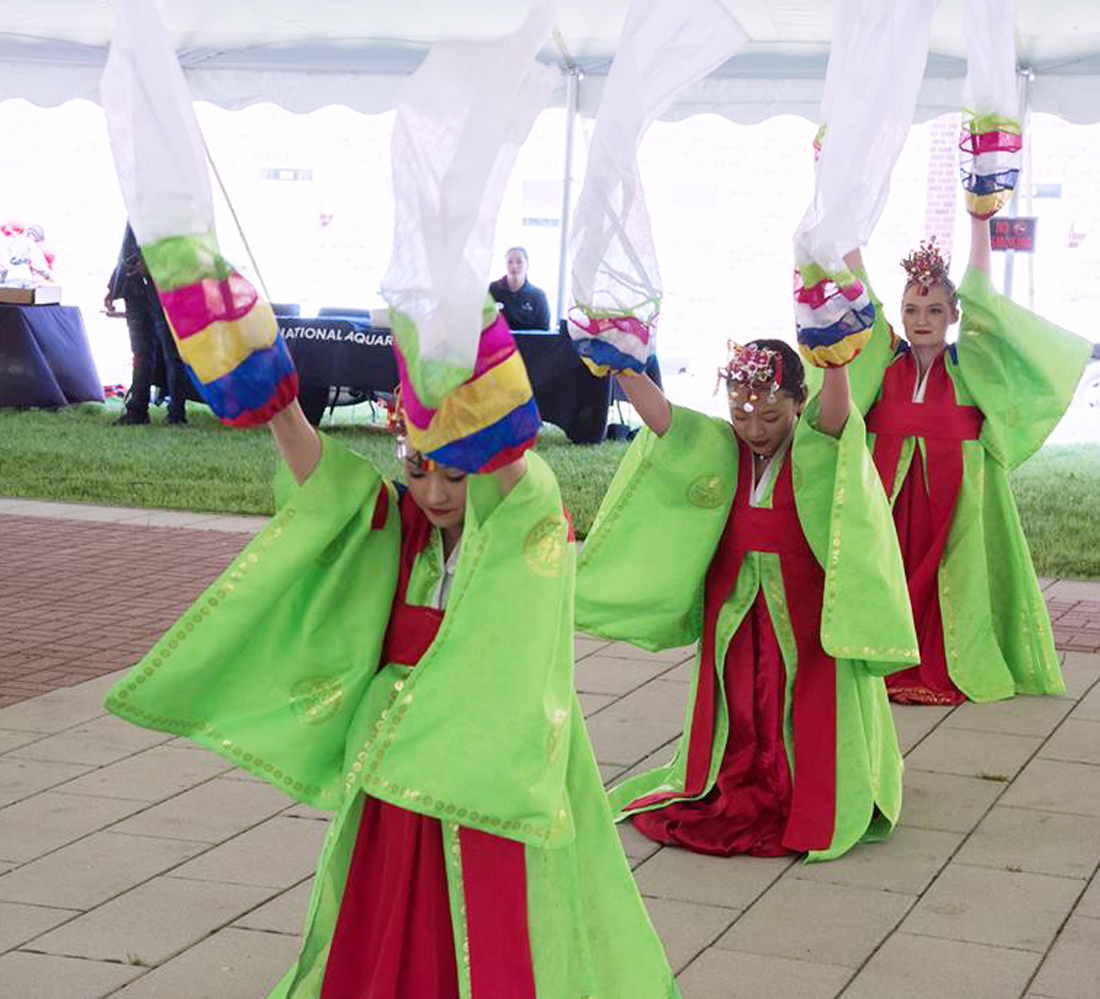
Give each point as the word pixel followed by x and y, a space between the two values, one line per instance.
pixel 316 699
pixel 796 476
pixel 544 548
pixel 707 492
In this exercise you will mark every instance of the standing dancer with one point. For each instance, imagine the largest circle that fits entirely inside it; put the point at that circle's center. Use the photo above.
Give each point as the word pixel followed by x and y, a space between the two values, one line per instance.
pixel 774 547
pixel 946 424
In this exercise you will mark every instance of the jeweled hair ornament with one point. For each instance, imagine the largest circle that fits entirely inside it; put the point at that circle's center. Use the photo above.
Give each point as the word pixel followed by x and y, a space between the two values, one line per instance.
pixel 926 266
pixel 396 424
pixel 750 372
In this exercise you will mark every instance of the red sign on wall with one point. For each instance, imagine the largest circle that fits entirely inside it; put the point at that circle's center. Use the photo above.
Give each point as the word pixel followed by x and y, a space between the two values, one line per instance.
pixel 1013 234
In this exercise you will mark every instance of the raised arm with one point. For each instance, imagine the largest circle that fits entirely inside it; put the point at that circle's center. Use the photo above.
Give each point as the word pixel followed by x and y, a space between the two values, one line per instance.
pixel 649 401
pixel 297 441
pixel 980 252
pixel 834 400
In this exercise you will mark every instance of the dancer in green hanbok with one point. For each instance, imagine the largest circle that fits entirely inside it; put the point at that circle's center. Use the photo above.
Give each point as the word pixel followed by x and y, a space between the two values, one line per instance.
pixel 946 423
pixel 768 541
pixel 365 654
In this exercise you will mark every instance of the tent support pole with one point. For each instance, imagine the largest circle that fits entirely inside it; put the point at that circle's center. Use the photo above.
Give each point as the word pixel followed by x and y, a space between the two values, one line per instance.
pixel 572 85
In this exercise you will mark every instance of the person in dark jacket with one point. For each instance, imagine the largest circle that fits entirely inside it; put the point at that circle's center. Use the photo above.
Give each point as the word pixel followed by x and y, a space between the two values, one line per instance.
pixel 149 333
pixel 524 306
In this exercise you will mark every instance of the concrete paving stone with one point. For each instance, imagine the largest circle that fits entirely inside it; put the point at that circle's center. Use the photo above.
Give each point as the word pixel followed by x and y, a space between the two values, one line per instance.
pixel 1025 839
pixel 943 801
pixel 1072 968
pixel 621 737
pixel 1054 786
pixel 905 863
pixel 11 739
pixel 917 967
pixel 635 845
pixel 1081 672
pixel 946 802
pixel 1075 742
pixel 164 518
pixel 20 923
pixel 43 976
pixel 585 645
pixel 1089 905
pixel 1073 589
pixel 42 823
pixel 990 755
pixel 591 703
pixel 726 974
pixel 87 873
pixel 233 525
pixel 658 758
pixel 285 913
pixel 669 657
pixel 153 922
pixel 98 742
pixel 656 701
pixel 277 854
pixel 799 919
pixel 913 722
pixel 1019 716
pixel 209 813
pixel 686 929
pixel 52 712
pixel 601 674
pixel 153 775
pixel 680 674
pixel 729 882
pixel 21 778
pixel 1088 708
pixel 999 908
pixel 300 811
pixel 232 964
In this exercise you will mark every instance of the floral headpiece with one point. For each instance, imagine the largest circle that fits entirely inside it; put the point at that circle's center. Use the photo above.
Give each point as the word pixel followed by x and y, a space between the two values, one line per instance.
pixel 395 422
pixel 926 266
pixel 750 371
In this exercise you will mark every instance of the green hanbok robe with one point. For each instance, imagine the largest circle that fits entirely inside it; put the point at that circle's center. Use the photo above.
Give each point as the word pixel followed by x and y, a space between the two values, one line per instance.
pixel 641 578
pixel 276 668
pixel 1015 374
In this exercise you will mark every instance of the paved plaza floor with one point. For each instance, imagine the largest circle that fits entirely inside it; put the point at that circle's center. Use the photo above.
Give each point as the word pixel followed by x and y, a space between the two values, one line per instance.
pixel 134 865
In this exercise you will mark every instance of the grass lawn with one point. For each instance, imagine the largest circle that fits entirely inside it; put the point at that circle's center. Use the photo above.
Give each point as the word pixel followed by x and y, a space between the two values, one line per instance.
pixel 75 455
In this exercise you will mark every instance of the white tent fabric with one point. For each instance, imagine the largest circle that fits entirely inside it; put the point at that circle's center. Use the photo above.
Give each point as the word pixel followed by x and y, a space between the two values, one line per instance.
pixel 305 56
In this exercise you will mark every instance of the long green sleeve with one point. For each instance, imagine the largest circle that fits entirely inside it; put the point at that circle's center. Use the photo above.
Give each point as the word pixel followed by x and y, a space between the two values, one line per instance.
pixel 1020 370
pixel 640 574
pixel 268 666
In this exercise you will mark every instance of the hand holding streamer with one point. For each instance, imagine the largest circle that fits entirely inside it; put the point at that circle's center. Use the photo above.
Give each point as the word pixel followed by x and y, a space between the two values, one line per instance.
pixel 876 62
pixel 461 119
pixel 990 144
pixel 227 336
pixel 616 282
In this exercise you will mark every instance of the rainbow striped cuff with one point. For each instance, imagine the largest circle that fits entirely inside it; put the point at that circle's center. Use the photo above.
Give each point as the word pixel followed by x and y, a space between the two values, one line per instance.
pixel 227 335
pixel 990 152
pixel 489 420
pixel 611 344
pixel 834 316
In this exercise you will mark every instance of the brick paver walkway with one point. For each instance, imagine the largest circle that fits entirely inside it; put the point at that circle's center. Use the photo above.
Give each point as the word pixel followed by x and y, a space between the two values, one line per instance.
pixel 81 598
pixel 136 866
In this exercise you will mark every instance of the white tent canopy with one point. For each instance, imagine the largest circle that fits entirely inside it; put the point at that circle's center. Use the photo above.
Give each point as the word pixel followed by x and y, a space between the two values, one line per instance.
pixel 304 55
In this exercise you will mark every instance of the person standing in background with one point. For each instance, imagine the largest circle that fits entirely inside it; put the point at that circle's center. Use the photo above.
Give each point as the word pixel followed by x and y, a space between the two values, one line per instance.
pixel 524 306
pixel 149 333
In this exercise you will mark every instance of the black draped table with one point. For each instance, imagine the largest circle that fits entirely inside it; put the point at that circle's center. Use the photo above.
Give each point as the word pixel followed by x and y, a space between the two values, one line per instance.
pixel 45 357
pixel 349 353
